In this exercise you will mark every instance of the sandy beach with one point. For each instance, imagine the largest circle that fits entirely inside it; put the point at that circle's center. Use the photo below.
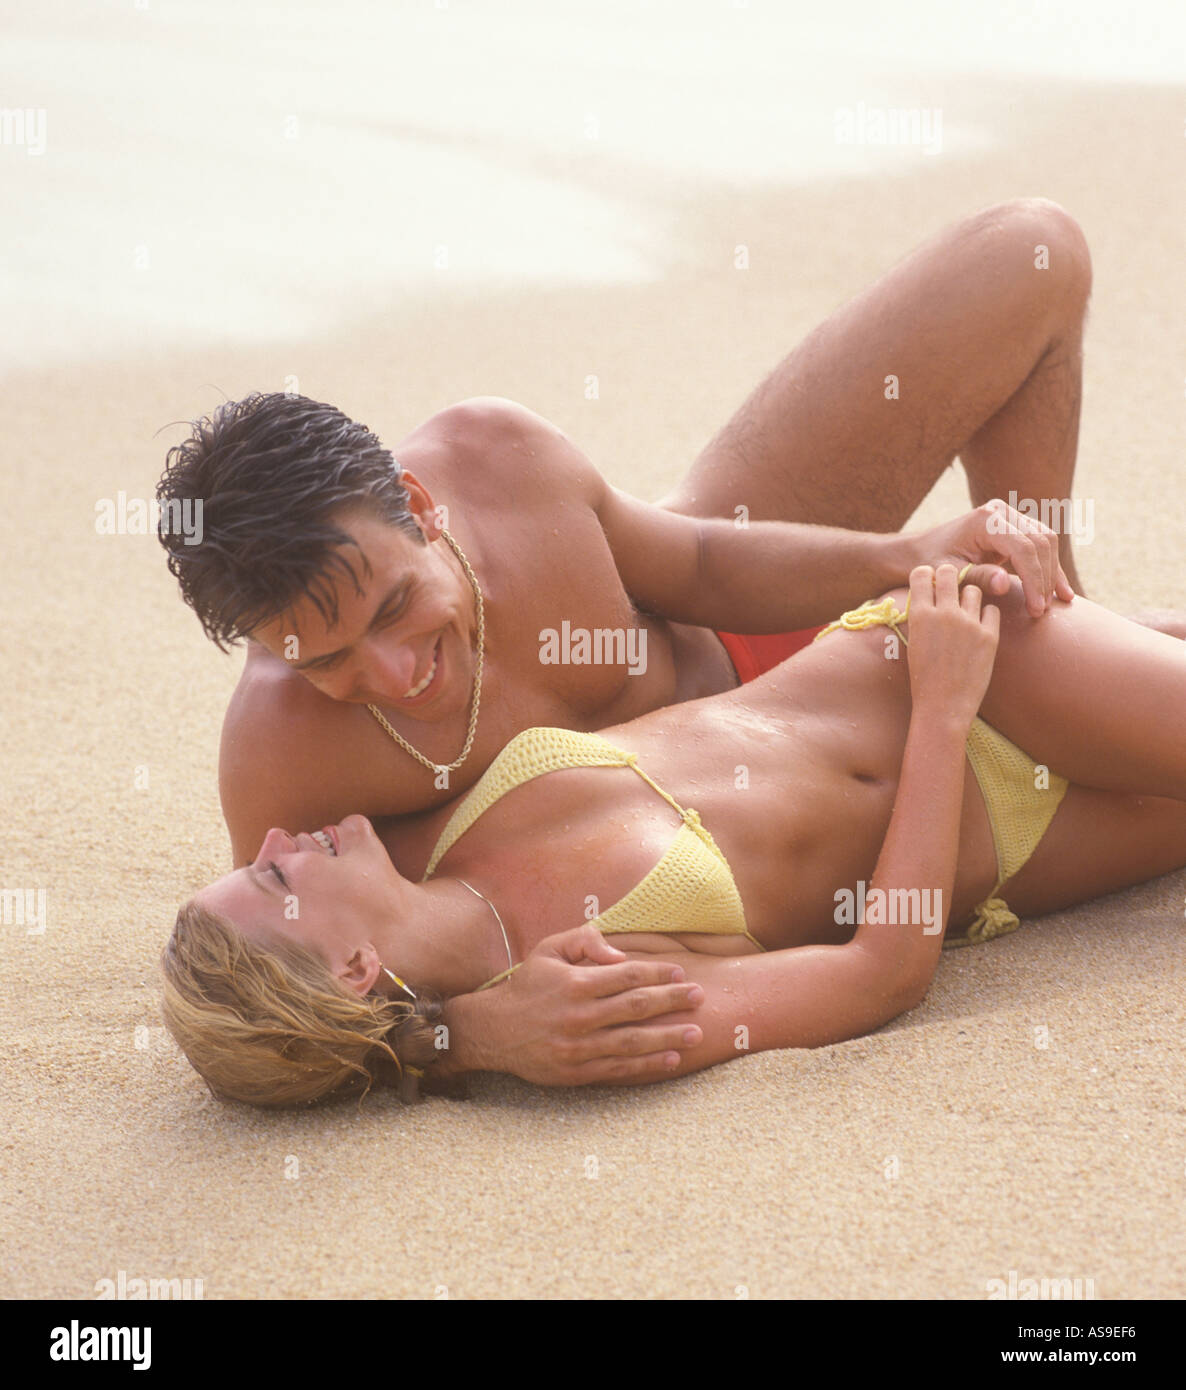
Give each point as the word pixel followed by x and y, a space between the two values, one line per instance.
pixel 1028 1117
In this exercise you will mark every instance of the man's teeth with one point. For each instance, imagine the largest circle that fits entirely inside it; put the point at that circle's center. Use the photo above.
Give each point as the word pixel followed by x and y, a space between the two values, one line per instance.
pixel 323 840
pixel 425 683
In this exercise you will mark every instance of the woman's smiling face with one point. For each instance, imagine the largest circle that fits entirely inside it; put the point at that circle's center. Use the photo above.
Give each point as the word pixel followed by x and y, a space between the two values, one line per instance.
pixel 332 898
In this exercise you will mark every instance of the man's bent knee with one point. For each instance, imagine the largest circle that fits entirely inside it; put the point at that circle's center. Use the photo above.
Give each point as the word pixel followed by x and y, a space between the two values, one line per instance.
pixel 1045 237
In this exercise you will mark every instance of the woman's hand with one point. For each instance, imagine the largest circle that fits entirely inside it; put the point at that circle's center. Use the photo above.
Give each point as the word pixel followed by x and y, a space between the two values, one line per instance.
pixel 952 643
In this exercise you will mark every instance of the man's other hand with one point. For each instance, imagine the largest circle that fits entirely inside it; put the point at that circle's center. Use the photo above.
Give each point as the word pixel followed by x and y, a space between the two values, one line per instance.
pixel 578 1011
pixel 996 538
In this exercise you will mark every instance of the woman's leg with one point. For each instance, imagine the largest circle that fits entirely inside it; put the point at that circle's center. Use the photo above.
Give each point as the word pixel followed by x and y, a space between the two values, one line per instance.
pixel 1092 696
pixel 1099 842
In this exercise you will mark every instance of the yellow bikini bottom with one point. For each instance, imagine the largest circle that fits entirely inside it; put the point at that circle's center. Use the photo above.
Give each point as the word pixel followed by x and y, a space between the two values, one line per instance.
pixel 1020 796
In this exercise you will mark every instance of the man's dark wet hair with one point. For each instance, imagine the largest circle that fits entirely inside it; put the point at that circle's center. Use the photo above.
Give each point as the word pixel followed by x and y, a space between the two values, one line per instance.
pixel 271 470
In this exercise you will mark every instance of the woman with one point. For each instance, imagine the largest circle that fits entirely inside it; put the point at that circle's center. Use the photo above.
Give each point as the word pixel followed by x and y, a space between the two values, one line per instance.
pixel 845 841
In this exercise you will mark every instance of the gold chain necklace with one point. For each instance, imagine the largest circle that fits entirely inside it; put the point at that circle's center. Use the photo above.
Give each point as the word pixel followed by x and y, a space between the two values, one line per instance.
pixel 477 697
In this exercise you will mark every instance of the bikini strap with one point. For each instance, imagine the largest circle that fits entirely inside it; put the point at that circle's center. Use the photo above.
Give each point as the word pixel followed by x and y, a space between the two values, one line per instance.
pixel 879 613
pixel 875 613
pixel 994 917
pixel 498 979
pixel 529 754
pixel 689 815
pixel 632 762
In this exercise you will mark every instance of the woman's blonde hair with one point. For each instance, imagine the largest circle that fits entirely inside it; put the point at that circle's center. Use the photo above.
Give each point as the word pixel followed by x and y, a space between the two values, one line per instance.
pixel 273 1026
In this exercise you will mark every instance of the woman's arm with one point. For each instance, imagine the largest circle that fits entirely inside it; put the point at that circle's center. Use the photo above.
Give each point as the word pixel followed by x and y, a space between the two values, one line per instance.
pixel 803 997
pixel 813 995
pixel 810 996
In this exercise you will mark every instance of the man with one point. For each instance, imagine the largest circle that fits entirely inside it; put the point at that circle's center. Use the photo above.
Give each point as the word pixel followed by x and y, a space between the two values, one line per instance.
pixel 363 589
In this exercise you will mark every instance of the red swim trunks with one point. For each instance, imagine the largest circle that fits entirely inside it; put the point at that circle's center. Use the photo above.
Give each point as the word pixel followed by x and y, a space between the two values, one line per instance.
pixel 754 654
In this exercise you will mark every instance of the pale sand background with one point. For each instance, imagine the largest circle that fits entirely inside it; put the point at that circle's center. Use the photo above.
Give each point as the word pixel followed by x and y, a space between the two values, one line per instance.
pixel 768 1173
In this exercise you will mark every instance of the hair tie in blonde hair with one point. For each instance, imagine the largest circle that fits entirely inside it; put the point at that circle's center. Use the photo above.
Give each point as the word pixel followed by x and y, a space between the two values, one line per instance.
pixel 395 979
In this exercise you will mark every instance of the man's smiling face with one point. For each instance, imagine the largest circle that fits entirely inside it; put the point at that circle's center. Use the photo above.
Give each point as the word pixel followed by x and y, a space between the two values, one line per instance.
pixel 403 637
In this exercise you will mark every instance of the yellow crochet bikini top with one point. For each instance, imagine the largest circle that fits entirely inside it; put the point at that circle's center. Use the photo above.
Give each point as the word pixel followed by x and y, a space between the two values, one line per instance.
pixel 691 889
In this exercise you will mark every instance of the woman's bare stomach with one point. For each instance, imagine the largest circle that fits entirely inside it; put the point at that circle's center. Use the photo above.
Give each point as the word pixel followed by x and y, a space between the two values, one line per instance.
pixel 794 775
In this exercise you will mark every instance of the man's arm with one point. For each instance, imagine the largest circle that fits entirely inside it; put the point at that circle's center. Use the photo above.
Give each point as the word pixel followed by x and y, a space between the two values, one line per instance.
pixel 577 1010
pixel 772 576
pixel 766 576
pixel 275 763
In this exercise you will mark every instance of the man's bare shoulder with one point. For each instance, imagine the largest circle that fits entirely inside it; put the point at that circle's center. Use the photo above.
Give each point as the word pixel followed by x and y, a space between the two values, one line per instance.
pixel 269 692
pixel 275 760
pixel 492 440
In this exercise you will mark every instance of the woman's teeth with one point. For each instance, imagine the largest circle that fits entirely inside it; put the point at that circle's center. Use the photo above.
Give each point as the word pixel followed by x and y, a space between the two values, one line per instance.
pixel 425 683
pixel 323 840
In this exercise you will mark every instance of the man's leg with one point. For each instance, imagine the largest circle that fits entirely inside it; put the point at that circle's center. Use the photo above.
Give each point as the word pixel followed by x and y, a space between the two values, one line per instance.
pixel 985 350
